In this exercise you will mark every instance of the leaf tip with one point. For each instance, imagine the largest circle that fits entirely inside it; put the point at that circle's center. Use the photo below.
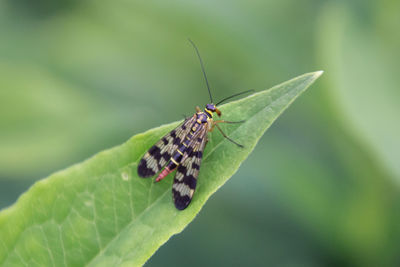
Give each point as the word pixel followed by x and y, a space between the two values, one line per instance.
pixel 318 73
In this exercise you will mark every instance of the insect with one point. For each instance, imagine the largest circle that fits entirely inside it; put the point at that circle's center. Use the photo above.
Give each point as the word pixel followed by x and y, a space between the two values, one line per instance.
pixel 182 149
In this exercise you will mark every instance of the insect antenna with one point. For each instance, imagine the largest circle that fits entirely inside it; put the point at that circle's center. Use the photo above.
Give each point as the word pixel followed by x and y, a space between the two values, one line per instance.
pixel 202 68
pixel 229 97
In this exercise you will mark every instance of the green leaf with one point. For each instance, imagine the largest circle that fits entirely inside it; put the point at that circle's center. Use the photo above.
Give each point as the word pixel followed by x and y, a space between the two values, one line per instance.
pixel 100 213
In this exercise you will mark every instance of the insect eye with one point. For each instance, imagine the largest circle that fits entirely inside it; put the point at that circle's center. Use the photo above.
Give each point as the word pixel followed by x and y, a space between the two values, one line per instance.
pixel 210 107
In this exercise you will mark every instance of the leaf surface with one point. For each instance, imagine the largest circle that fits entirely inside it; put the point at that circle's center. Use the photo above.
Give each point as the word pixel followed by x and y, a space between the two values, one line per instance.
pixel 100 213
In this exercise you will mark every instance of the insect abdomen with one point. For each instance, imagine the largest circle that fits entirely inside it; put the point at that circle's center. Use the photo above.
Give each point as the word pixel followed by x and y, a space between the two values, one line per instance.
pixel 164 173
pixel 176 158
pixel 173 163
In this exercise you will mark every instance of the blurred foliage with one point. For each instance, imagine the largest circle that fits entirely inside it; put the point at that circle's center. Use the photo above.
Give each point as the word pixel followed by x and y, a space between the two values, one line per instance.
pixel 322 187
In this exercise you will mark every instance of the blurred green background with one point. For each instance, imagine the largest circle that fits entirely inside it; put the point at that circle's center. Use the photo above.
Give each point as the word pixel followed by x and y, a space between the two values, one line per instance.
pixel 322 186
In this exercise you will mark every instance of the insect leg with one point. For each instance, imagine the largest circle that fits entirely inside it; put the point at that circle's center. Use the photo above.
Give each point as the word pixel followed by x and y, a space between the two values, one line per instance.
pixel 224 121
pixel 239 145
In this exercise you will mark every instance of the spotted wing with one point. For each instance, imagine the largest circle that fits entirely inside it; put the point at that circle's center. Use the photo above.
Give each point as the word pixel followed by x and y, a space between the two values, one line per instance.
pixel 186 176
pixel 159 154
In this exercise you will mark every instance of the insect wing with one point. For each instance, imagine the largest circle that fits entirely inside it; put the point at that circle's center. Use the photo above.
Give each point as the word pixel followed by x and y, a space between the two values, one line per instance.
pixel 159 154
pixel 186 176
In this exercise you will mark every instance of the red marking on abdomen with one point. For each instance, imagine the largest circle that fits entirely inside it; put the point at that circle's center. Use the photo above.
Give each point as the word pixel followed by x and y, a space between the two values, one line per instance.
pixel 163 174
